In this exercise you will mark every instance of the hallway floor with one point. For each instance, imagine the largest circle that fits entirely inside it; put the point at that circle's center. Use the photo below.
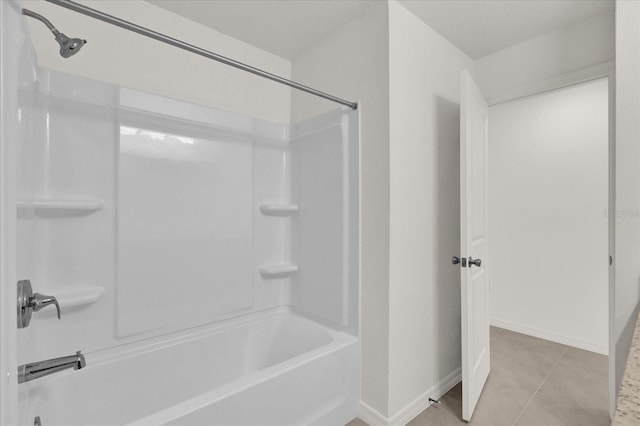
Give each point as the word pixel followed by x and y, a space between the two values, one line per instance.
pixel 533 382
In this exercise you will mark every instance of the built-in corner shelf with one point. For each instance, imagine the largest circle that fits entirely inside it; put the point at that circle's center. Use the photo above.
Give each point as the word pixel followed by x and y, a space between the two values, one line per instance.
pixel 77 297
pixel 278 209
pixel 60 206
pixel 278 271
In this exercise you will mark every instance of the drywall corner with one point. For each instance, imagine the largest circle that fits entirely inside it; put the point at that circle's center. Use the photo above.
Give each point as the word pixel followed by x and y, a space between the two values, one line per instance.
pixel 424 340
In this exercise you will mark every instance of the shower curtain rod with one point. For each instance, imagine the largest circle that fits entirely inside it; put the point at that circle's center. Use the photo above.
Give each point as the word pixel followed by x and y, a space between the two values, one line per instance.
pixel 96 14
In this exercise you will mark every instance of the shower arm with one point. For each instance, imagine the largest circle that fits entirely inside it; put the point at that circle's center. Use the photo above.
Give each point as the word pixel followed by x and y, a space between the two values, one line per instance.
pixel 42 19
pixel 105 17
pixel 68 46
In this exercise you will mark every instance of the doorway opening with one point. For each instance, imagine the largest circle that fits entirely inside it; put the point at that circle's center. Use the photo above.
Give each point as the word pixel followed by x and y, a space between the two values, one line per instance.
pixel 547 261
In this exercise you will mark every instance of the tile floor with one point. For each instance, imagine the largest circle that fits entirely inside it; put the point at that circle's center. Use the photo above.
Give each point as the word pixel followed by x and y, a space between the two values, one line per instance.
pixel 533 382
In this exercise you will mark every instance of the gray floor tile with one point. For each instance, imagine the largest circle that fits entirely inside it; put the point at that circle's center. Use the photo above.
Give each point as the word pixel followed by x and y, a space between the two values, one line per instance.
pixel 533 382
pixel 456 392
pixel 576 393
pixel 527 359
pixel 502 400
pixel 519 365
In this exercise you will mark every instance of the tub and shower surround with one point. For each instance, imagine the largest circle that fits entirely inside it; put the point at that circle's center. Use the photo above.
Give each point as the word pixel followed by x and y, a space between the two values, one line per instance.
pixel 208 256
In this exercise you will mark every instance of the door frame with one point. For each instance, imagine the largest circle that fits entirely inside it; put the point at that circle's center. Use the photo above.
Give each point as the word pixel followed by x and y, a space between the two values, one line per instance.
pixel 612 243
pixel 603 70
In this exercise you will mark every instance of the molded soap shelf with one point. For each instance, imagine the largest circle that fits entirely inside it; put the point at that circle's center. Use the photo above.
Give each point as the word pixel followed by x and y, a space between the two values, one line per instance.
pixel 278 271
pixel 60 206
pixel 278 209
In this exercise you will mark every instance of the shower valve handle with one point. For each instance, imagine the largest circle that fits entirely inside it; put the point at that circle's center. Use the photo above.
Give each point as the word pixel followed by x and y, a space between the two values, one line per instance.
pixel 30 302
pixel 40 301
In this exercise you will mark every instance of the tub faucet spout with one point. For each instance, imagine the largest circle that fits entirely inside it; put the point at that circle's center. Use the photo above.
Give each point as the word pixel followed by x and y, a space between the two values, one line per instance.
pixel 35 370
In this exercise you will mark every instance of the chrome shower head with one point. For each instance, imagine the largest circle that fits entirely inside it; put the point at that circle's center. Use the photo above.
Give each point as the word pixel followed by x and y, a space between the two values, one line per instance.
pixel 68 46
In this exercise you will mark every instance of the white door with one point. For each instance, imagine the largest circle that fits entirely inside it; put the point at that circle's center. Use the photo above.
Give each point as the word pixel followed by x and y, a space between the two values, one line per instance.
pixel 473 232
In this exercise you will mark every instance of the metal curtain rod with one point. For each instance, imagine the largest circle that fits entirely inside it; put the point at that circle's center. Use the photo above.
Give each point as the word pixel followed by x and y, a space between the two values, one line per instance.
pixel 96 14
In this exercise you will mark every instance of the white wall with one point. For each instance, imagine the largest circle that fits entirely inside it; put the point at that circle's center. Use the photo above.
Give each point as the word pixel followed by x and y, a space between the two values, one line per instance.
pixel 548 196
pixel 117 56
pixel 564 56
pixel 424 335
pixel 627 175
pixel 354 63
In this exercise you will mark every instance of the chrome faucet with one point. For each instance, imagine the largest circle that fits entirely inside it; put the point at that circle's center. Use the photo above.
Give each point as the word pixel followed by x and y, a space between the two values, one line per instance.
pixel 35 370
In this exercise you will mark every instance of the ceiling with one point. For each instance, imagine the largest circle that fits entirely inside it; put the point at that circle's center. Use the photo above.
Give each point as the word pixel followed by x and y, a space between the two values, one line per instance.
pixel 477 27
pixel 481 27
pixel 282 27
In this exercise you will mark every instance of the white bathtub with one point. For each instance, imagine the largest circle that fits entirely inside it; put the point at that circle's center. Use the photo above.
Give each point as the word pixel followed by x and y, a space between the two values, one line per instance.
pixel 274 368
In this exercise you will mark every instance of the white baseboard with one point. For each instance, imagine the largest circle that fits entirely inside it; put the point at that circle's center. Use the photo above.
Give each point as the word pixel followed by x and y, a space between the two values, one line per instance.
pixel 371 416
pixel 558 338
pixel 411 410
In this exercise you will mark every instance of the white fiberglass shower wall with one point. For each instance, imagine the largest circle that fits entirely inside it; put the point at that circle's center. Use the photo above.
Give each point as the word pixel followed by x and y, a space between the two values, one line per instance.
pixel 206 263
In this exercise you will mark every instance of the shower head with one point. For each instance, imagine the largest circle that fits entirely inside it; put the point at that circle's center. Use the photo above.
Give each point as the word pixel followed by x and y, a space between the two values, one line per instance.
pixel 68 46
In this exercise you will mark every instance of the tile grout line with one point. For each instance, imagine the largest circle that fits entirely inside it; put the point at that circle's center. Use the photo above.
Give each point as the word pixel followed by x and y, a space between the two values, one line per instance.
pixel 540 386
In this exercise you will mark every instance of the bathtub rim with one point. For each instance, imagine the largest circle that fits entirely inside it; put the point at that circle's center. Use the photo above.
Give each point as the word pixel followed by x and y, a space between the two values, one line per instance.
pixel 97 359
